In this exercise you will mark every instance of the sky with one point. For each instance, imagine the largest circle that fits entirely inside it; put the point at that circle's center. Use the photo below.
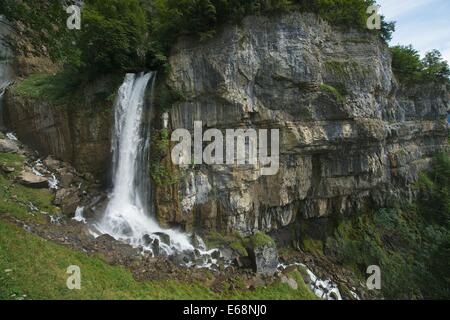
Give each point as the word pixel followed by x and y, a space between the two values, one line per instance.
pixel 423 23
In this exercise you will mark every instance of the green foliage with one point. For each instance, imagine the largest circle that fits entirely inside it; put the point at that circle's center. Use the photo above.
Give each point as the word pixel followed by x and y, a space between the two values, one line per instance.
pixel 171 18
pixel 337 67
pixel 280 291
pixel 410 245
pixel 346 13
pixel 42 275
pixel 12 160
pixel 313 246
pixel 435 67
pixel 216 240
pixel 41 26
pixel 260 239
pixel 165 97
pixel 406 62
pixel 434 191
pixel 408 67
pixel 113 35
pixel 17 200
pixel 161 174
pixel 121 35
pixel 338 94
pixel 48 86
pixel 239 248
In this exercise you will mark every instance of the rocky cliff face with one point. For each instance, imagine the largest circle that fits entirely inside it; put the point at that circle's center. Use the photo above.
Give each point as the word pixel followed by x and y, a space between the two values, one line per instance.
pixel 351 136
pixel 78 133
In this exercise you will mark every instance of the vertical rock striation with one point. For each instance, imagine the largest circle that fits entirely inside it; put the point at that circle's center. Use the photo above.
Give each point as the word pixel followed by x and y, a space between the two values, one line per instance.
pixel 351 135
pixel 72 131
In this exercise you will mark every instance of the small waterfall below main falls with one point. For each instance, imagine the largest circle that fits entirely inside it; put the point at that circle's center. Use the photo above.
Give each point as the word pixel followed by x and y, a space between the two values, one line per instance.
pixel 128 214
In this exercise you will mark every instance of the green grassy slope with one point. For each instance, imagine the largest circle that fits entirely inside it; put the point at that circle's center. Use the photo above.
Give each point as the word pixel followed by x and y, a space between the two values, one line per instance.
pixel 34 268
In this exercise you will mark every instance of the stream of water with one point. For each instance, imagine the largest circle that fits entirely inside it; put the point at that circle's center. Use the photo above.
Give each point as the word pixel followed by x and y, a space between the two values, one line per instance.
pixel 6 71
pixel 128 216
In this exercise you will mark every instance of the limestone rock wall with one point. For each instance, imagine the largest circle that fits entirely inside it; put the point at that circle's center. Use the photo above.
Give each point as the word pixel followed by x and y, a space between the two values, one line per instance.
pixel 351 136
pixel 76 133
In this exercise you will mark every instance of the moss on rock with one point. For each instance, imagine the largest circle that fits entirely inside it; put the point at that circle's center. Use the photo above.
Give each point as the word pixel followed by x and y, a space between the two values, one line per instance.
pixel 260 239
pixel 239 248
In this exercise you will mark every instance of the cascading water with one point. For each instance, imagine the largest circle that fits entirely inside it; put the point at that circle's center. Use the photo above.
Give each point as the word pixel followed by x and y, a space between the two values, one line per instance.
pixel 128 215
pixel 6 70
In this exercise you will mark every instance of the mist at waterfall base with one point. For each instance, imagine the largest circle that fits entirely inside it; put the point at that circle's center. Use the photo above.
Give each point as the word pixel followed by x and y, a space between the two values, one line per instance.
pixel 128 215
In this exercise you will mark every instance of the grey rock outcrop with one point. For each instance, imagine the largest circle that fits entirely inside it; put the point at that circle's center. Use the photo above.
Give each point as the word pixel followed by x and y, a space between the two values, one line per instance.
pixel 68 200
pixel 351 135
pixel 264 258
pixel 76 135
pixel 33 181
pixel 8 146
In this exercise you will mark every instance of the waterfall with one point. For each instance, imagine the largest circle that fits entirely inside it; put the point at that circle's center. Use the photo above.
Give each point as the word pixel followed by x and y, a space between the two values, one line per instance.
pixel 128 215
pixel 6 55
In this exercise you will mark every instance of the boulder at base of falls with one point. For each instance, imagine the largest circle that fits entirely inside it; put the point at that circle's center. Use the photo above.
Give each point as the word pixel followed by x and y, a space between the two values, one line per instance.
pixel 163 237
pixel 8 146
pixel 156 248
pixel 290 282
pixel 31 180
pixel 52 164
pixel 68 200
pixel 243 262
pixel 198 242
pixel 181 258
pixel 263 254
pixel 152 243
pixel 6 169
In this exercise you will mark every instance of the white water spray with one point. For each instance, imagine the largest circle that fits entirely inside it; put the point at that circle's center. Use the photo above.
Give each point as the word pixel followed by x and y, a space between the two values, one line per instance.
pixel 127 215
pixel 6 69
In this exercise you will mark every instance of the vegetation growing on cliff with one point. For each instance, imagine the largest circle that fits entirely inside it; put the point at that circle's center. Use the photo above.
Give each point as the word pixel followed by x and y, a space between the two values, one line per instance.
pixel 43 276
pixel 40 29
pixel 173 18
pixel 409 67
pixel 338 94
pixel 161 172
pixel 120 35
pixel 113 35
pixel 260 239
pixel 411 245
pixel 45 86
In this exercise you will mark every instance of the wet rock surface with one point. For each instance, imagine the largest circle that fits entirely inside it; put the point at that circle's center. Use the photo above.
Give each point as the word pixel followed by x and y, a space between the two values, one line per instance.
pixel 68 200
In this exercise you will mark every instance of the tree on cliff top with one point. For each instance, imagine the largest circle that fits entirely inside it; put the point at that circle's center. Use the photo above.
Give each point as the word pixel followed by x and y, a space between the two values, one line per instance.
pixel 113 35
pixel 118 35
pixel 408 67
pixel 172 18
pixel 435 67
